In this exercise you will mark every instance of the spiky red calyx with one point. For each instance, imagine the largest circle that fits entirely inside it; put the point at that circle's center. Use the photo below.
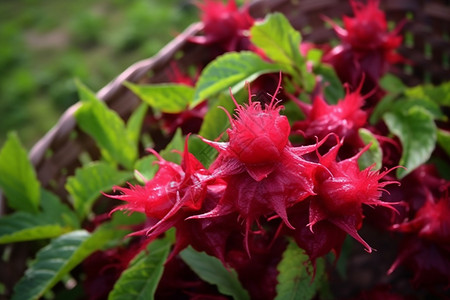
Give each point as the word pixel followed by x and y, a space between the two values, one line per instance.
pixel 341 189
pixel 224 24
pixel 258 136
pixel 426 247
pixel 173 191
pixel 264 174
pixel 368 30
pixel 343 119
pixel 367 47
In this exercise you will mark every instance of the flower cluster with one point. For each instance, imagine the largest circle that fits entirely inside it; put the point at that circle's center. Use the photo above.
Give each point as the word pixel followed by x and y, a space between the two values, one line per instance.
pixel 263 189
pixel 259 188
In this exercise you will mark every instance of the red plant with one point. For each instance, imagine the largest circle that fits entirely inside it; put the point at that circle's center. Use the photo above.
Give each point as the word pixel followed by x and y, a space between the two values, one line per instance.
pixel 343 119
pixel 367 47
pixel 225 25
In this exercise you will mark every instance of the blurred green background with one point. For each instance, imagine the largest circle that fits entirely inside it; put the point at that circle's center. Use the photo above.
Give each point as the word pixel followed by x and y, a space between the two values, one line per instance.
pixel 46 44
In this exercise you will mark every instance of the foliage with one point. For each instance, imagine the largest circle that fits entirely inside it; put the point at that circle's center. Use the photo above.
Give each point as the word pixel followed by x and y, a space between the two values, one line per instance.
pixel 245 209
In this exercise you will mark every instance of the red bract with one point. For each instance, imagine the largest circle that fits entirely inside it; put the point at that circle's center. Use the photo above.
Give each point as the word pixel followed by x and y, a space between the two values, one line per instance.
pixel 102 269
pixel 426 249
pixel 263 173
pixel 224 25
pixel 258 272
pixel 174 191
pixel 324 238
pixel 367 47
pixel 341 189
pixel 343 119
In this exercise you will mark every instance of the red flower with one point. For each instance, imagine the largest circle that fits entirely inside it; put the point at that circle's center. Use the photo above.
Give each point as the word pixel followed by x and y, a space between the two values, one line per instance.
pixel 426 249
pixel 343 119
pixel 165 199
pixel 367 47
pixel 341 189
pixel 368 29
pixel 225 25
pixel 263 173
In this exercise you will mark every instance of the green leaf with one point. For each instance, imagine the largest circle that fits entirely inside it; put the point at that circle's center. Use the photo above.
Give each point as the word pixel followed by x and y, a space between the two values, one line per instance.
pixel 54 210
pixel 55 219
pixel 146 167
pixel 141 278
pixel 106 127
pixel 215 123
pixel 134 123
pixel 89 181
pixel 331 83
pixel 439 94
pixel 425 102
pixel 374 154
pixel 230 70
pixel 57 259
pixel 85 94
pixel 385 105
pixel 443 139
pixel 166 97
pixel 314 56
pixel 417 132
pixel 177 143
pixel 392 84
pixel 295 275
pixel 17 176
pixel 279 41
pixel 211 270
pixel 23 226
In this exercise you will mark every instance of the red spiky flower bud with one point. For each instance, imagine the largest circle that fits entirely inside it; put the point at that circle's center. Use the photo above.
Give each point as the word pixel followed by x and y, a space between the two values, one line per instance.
pixel 264 174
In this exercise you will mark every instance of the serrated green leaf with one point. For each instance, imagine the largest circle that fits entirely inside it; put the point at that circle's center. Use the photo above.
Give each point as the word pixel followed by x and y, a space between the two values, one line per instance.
pixel 17 176
pixel 417 132
pixel 89 181
pixel 331 83
pixel 57 259
pixel 53 210
pixel 166 97
pixel 23 226
pixel 443 139
pixel 281 43
pixel 295 275
pixel 106 127
pixel 374 154
pixel 140 280
pixel 230 70
pixel 55 219
pixel 134 124
pixel 279 40
pixel 211 270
